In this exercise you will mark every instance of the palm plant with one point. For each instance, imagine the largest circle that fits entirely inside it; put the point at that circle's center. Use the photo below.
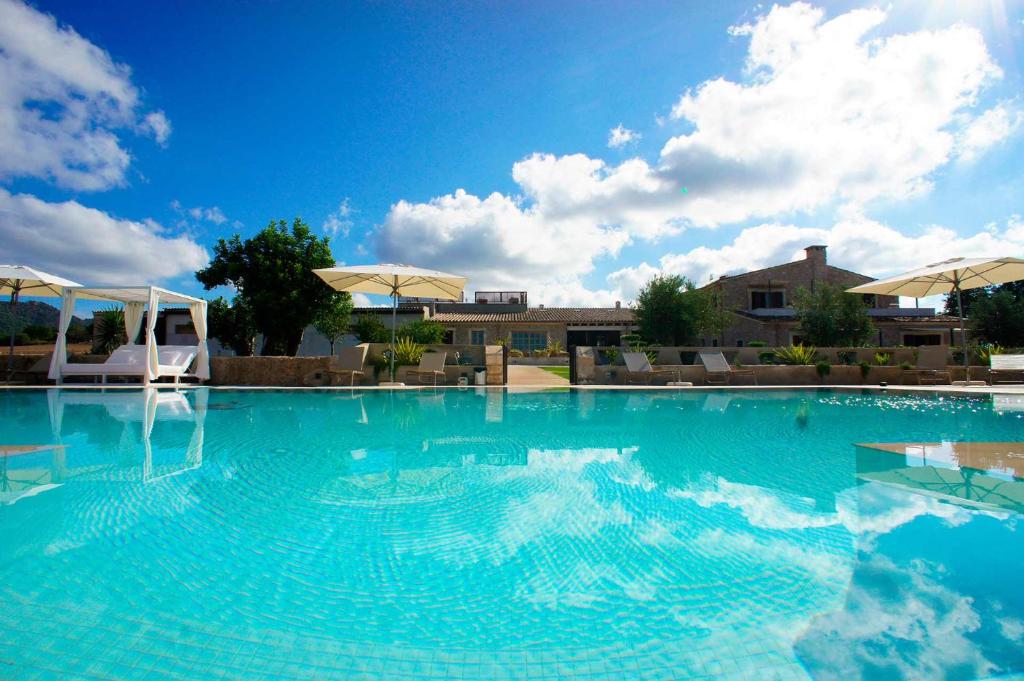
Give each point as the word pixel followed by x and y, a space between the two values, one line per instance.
pixel 110 334
pixel 796 354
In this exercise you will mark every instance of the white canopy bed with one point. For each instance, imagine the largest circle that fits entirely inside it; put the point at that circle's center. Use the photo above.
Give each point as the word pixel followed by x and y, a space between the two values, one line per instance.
pixel 147 361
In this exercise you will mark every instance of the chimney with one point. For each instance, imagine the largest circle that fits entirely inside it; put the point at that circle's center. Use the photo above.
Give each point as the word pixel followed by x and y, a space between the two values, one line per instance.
pixel 541 306
pixel 816 254
pixel 618 304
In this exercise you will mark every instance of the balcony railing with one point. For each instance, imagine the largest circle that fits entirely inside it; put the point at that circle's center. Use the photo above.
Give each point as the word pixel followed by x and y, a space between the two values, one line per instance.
pixel 500 297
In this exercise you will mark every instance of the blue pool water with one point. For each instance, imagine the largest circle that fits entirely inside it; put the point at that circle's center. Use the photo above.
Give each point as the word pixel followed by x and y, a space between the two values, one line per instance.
pixel 482 535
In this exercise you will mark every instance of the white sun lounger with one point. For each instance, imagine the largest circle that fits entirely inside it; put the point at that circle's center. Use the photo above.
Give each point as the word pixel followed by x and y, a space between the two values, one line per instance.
pixel 130 360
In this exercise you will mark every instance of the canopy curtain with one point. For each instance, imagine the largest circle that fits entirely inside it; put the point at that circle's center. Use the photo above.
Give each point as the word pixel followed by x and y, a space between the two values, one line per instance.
pixel 60 348
pixel 198 310
pixel 133 319
pixel 152 354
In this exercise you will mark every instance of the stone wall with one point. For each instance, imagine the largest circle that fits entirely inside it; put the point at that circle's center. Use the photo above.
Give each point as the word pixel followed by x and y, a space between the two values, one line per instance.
pixel 304 371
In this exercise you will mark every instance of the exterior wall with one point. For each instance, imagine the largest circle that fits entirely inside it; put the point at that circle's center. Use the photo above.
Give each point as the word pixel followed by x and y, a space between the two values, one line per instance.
pixel 780 332
pixel 789 278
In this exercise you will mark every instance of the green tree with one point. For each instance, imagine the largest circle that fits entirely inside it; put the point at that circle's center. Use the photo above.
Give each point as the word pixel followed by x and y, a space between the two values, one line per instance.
pixel 712 319
pixel 273 274
pixel 665 310
pixel 830 317
pixel 998 318
pixel 368 328
pixel 423 331
pixel 333 319
pixel 233 325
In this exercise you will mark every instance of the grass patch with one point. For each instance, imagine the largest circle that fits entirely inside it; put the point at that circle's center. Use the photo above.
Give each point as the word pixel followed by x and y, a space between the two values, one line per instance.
pixel 562 372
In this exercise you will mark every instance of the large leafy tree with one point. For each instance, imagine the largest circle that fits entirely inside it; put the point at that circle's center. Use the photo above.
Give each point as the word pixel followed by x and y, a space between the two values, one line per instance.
pixel 233 325
pixel 273 275
pixel 830 317
pixel 666 311
pixel 998 318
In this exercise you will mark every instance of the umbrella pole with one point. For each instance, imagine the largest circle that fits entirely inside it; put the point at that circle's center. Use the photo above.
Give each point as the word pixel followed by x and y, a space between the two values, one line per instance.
pixel 14 330
pixel 963 331
pixel 394 323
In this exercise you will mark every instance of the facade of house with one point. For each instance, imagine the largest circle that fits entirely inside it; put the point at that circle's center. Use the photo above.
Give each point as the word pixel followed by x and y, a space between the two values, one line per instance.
pixel 504 315
pixel 761 302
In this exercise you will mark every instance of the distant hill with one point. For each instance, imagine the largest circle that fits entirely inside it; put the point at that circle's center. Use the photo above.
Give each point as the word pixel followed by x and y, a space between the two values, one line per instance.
pixel 32 312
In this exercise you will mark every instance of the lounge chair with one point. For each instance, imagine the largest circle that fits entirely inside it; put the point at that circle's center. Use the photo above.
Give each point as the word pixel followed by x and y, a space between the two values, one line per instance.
pixel 639 369
pixel 130 360
pixel 347 366
pixel 718 371
pixel 932 365
pixel 431 368
pixel 1006 369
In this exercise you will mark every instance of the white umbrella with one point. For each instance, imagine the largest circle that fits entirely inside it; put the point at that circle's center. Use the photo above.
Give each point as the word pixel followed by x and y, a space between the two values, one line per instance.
pixel 394 281
pixel 949 276
pixel 19 280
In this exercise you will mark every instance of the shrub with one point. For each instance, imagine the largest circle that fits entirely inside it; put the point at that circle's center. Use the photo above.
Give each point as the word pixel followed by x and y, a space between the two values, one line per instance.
pixel 882 359
pixel 796 354
pixel 407 352
pixel 555 349
pixel 865 368
pixel 824 368
pixel 985 352
pixel 539 352
pixel 766 357
pixel 612 354
pixel 847 356
pixel 757 344
pixel 906 366
pixel 515 352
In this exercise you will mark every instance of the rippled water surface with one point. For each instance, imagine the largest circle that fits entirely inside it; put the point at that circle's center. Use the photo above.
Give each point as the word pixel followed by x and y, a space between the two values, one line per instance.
pixel 483 535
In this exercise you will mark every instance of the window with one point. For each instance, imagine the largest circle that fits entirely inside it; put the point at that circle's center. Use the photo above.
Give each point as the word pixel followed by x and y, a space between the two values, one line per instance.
pixel 449 336
pixel 528 341
pixel 185 329
pixel 915 339
pixel 478 337
pixel 763 299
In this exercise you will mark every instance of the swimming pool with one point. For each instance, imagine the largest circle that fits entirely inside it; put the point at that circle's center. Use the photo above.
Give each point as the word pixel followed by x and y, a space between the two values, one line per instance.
pixel 480 534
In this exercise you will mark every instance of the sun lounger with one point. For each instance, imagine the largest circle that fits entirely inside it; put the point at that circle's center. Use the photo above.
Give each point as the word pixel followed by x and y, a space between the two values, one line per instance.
pixel 1006 369
pixel 430 369
pixel 130 360
pixel 932 365
pixel 718 371
pixel 348 365
pixel 639 369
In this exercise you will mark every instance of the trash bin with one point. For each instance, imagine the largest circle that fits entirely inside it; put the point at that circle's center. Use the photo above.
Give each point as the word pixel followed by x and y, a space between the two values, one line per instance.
pixel 481 377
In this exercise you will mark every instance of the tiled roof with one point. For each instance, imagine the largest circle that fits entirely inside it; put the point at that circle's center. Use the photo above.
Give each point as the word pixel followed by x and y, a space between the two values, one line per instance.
pixel 569 315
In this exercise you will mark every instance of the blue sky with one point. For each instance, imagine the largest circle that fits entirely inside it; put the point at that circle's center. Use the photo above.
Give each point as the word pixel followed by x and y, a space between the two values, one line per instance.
pixel 891 134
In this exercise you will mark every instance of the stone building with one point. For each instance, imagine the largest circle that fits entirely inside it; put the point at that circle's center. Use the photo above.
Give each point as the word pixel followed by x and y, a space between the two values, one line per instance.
pixel 761 302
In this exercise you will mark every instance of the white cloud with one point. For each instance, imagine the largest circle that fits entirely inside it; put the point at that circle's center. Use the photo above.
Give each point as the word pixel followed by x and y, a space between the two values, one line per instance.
pixel 986 130
pixel 340 221
pixel 159 125
pixel 498 243
pixel 620 136
pixel 200 213
pixel 91 246
pixel 855 242
pixel 826 113
pixel 62 101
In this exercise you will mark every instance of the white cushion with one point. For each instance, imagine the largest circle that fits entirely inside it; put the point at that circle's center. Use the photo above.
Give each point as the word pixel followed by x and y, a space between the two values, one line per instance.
pixel 176 355
pixel 128 354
